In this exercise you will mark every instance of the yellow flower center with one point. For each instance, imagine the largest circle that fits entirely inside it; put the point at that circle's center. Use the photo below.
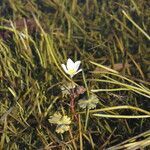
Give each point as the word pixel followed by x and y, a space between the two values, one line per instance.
pixel 71 71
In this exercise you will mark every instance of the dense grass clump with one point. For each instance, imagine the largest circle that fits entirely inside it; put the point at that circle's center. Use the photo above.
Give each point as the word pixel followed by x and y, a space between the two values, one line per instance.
pixel 104 106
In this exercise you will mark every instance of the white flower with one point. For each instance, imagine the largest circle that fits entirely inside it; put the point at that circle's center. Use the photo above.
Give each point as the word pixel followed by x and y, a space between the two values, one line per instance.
pixel 71 68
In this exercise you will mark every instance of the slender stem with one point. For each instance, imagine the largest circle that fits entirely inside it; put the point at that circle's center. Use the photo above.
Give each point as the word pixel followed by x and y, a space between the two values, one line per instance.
pixel 72 102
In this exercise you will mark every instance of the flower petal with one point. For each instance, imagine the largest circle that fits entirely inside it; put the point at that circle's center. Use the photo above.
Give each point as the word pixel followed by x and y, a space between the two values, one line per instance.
pixel 70 64
pixel 64 67
pixel 77 64
pixel 78 71
pixel 71 75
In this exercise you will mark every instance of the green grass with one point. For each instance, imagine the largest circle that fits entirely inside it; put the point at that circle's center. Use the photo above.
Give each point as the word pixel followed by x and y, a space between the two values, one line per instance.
pixel 111 38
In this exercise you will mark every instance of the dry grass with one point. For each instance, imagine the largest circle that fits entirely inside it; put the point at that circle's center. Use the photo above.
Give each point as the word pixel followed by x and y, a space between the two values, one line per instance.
pixel 111 38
